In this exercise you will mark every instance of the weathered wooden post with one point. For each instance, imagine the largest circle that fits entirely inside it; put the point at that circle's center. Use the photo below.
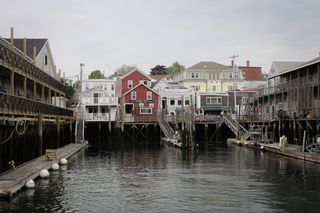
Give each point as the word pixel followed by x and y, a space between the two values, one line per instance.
pixel 40 134
pixel 58 131
pixel 109 124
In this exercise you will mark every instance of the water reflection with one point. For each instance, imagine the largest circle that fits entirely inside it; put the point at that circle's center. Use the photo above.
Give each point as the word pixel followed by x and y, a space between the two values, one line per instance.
pixel 166 179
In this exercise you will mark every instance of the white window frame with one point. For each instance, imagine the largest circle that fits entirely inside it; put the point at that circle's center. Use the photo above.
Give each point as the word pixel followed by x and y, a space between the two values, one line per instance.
pixel 112 86
pixel 195 75
pixel 185 102
pixel 151 105
pixel 149 96
pixel 130 84
pixel 133 95
pixel 146 113
pixel 214 100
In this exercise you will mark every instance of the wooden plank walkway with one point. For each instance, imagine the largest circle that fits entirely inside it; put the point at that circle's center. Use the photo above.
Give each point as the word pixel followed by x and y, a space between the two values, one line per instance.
pixel 293 151
pixel 13 180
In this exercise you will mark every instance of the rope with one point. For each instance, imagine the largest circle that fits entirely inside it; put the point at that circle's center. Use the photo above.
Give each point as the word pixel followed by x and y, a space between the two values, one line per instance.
pixel 16 129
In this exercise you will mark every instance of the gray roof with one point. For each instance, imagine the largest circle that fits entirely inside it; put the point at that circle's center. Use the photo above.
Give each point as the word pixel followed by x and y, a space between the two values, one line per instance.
pixel 34 42
pixel 208 65
pixel 283 66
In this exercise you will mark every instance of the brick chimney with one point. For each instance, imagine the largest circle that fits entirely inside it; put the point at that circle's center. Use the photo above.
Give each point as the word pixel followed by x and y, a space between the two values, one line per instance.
pixel 248 63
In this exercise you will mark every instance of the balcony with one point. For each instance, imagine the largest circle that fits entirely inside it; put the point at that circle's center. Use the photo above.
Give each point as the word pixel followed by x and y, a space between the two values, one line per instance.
pixel 20 106
pixel 100 101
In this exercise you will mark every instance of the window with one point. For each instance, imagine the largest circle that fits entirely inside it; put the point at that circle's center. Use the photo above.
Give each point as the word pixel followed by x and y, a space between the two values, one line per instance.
pixel 130 84
pixel 196 88
pixel 112 86
pixel 145 82
pixel 145 110
pixel 45 60
pixel 230 74
pixel 214 88
pixel 172 102
pixel 195 75
pixel 133 95
pixel 141 104
pixel 151 105
pixel 106 87
pixel 95 98
pixel 179 102
pixel 149 96
pixel 214 100
pixel 186 102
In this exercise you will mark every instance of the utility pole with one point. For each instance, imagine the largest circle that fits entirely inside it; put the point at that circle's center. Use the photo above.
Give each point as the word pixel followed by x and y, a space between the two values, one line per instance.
pixel 233 57
pixel 81 72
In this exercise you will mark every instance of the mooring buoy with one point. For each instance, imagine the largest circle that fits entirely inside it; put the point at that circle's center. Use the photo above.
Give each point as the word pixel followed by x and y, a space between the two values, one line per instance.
pixel 55 166
pixel 30 184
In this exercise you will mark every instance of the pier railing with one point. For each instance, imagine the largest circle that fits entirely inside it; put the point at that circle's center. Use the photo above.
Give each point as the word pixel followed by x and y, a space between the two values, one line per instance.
pixel 15 105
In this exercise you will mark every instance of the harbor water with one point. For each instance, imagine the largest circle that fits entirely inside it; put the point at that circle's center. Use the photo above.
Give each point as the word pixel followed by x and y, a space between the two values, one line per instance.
pixel 159 178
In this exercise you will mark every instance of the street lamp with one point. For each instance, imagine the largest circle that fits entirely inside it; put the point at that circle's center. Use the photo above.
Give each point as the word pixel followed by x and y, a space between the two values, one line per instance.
pixel 81 65
pixel 233 57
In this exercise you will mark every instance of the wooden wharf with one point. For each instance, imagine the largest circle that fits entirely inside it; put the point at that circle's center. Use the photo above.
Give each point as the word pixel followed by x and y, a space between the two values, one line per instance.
pixel 14 180
pixel 291 150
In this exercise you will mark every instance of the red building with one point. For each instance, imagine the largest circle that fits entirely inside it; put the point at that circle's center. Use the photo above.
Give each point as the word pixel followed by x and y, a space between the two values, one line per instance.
pixel 137 100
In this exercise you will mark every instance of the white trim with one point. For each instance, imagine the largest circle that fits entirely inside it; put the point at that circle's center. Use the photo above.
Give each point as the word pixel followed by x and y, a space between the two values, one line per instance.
pixel 132 71
pixel 135 95
pixel 138 86
pixel 147 94
pixel 147 108
pixel 131 81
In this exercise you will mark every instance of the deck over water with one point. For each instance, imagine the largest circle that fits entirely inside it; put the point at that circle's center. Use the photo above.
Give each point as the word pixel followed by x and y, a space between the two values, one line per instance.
pixel 290 150
pixel 14 180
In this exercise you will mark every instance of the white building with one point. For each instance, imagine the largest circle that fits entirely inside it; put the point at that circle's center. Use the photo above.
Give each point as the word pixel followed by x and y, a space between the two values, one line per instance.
pixel 173 97
pixel 98 100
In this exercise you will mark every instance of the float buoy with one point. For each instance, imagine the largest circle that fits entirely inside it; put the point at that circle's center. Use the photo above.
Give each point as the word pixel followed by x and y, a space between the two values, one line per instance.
pixel 63 161
pixel 44 173
pixel 30 184
pixel 55 166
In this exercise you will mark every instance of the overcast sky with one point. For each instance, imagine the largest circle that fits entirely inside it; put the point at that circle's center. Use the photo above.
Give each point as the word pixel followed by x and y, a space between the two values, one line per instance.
pixel 104 34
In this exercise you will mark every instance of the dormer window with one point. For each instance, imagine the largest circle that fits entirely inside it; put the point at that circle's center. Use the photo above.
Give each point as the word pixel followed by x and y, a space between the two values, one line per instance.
pixel 130 84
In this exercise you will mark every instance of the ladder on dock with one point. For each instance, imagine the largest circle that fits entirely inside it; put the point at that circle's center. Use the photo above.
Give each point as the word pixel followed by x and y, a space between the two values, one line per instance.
pixel 166 128
pixel 233 126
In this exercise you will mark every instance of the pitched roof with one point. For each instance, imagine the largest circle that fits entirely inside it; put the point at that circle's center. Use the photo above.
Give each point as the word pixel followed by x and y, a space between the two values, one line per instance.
pixel 158 77
pixel 298 65
pixel 138 85
pixel 136 70
pixel 208 65
pixel 282 66
pixel 31 42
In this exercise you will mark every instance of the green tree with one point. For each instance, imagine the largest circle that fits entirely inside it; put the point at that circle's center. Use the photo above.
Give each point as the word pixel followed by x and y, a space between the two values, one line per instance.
pixel 175 68
pixel 97 74
pixel 124 69
pixel 69 92
pixel 159 70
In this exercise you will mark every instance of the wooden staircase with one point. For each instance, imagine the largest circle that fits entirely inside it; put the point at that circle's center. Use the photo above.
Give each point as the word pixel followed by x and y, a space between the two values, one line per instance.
pixel 233 126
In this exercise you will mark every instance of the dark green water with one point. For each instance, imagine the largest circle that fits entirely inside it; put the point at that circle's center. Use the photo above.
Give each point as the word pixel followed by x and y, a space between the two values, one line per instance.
pixel 165 179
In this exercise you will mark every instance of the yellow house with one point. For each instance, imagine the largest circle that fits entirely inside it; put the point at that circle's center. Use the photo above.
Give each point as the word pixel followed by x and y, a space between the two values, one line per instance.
pixel 209 76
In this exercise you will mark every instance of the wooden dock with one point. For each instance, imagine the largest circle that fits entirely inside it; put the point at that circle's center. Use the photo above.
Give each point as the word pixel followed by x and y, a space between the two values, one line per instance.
pixel 293 151
pixel 15 179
